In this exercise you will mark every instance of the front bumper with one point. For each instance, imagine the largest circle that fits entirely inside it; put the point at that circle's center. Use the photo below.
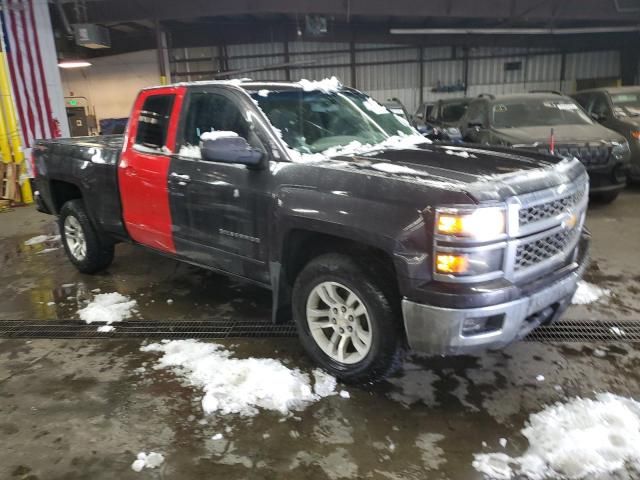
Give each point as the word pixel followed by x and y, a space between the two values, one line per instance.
pixel 439 331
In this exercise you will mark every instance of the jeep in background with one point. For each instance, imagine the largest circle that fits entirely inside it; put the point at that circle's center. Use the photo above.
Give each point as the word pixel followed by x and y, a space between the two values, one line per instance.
pixel 370 237
pixel 551 123
pixel 617 108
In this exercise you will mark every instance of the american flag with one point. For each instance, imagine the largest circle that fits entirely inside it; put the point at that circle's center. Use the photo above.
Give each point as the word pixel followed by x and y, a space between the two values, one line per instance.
pixel 28 42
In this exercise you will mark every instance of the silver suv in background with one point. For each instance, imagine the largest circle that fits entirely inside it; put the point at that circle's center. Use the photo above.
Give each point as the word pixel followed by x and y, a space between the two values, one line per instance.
pixel 617 108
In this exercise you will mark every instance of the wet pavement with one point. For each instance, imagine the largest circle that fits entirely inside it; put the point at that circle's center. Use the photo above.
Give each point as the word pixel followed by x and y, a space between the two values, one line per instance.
pixel 82 409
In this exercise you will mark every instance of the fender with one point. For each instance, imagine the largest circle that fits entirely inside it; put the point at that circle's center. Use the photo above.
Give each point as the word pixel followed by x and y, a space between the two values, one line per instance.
pixel 395 229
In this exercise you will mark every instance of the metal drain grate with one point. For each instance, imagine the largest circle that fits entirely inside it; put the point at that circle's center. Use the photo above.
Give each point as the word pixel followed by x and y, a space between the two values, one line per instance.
pixel 561 332
pixel 143 329
pixel 587 331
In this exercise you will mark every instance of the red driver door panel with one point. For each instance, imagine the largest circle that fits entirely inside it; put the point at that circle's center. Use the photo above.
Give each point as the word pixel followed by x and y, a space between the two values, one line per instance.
pixel 144 167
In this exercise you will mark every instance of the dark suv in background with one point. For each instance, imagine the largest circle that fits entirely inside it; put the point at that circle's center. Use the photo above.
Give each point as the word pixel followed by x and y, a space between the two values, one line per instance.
pixel 441 123
pixel 617 108
pixel 551 123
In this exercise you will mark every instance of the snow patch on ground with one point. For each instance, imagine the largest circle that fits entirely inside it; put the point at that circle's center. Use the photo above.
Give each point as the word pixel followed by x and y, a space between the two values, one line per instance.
pixel 432 455
pixel 42 239
pixel 151 460
pixel 241 386
pixel 108 308
pixel 588 293
pixel 573 440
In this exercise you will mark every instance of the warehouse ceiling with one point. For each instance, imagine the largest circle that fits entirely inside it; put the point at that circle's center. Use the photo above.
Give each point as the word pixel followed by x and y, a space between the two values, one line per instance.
pixel 132 24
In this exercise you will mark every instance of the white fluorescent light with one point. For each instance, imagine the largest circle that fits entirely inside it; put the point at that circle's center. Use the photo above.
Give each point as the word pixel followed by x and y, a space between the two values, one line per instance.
pixel 511 31
pixel 74 64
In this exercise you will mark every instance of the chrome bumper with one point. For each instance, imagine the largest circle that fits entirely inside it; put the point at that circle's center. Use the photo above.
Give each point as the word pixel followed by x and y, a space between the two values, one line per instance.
pixel 439 331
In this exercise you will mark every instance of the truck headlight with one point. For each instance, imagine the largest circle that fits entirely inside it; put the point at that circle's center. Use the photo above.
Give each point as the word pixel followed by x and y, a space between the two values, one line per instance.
pixel 472 263
pixel 620 150
pixel 478 224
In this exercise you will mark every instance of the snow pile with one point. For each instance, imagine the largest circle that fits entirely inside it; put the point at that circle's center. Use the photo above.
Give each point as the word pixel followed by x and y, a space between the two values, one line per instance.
pixel 264 93
pixel 574 440
pixel 374 107
pixel 326 85
pixel 42 239
pixel 459 153
pixel 214 135
pixel 241 386
pixel 152 460
pixel 588 293
pixel 395 142
pixel 107 308
pixel 191 151
pixel 391 168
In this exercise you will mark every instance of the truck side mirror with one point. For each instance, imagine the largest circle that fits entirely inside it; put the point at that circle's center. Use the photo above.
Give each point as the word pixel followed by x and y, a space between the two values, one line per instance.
pixel 230 150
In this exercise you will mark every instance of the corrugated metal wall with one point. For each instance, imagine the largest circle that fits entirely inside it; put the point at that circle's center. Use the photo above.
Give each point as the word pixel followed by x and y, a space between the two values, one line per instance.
pixel 387 71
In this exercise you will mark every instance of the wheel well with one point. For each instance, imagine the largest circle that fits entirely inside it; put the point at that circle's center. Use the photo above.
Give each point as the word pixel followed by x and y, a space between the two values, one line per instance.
pixel 62 192
pixel 302 246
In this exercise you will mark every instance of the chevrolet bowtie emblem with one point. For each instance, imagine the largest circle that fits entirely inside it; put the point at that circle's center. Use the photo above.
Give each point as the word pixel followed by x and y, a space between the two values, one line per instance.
pixel 570 221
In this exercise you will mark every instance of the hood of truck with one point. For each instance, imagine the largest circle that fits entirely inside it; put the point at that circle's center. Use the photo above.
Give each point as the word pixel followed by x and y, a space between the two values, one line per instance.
pixel 564 134
pixel 484 174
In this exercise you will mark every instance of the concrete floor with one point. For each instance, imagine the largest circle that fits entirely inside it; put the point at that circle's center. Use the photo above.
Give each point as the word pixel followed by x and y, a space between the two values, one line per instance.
pixel 78 409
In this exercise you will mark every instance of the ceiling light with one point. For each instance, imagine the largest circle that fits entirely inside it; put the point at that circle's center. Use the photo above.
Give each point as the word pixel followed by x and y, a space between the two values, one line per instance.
pixel 74 64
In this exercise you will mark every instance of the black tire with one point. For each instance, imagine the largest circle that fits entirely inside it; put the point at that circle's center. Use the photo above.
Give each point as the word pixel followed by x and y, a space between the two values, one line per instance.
pixel 382 305
pixel 606 197
pixel 99 251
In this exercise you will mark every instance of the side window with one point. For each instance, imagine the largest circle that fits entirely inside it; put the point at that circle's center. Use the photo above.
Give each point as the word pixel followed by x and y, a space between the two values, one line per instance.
pixel 212 112
pixel 476 113
pixel 600 106
pixel 153 121
pixel 584 101
pixel 433 114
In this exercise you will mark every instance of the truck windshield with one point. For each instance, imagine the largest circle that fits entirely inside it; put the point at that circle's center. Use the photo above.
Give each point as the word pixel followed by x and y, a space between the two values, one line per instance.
pixel 627 103
pixel 535 112
pixel 314 121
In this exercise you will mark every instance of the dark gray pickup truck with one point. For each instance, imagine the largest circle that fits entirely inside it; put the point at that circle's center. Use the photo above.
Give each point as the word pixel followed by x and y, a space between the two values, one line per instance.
pixel 371 238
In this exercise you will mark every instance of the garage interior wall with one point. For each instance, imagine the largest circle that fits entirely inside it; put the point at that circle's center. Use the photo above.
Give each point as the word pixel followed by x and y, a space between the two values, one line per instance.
pixel 383 70
pixel 111 83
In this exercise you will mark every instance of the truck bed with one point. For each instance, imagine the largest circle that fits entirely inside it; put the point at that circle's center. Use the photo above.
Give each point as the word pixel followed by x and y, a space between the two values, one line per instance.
pixel 88 164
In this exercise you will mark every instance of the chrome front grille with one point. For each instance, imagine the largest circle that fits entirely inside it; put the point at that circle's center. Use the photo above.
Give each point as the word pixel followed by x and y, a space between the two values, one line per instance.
pixel 537 251
pixel 589 155
pixel 527 215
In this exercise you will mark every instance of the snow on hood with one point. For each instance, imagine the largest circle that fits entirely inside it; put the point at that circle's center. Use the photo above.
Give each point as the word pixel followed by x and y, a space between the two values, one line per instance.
pixel 241 386
pixel 395 142
pixel 574 440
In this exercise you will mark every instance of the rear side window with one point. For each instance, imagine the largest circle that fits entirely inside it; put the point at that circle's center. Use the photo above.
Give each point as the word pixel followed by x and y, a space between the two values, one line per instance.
pixel 153 122
pixel 452 112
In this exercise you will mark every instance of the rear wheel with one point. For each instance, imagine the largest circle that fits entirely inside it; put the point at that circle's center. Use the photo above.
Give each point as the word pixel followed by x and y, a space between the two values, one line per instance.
pixel 347 321
pixel 83 244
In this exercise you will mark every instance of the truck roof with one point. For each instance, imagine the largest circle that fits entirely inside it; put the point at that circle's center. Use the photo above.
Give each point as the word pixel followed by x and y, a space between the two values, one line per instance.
pixel 248 84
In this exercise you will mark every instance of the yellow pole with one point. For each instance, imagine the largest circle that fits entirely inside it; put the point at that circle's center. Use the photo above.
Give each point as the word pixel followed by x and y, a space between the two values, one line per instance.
pixel 5 148
pixel 13 127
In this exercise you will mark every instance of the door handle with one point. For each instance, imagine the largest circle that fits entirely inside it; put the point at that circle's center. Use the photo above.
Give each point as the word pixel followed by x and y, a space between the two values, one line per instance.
pixel 180 178
pixel 130 172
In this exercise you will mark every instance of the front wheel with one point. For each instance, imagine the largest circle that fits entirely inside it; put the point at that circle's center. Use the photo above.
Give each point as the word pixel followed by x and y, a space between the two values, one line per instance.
pixel 84 247
pixel 347 321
